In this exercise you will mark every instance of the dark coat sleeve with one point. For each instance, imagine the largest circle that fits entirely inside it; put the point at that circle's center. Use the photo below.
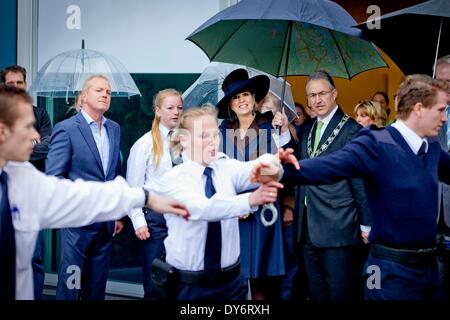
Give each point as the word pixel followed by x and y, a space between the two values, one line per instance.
pixel 357 159
pixel 444 167
pixel 358 191
pixel 44 127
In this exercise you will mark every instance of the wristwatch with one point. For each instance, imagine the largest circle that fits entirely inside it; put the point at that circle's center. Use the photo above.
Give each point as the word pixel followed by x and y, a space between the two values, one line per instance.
pixel 146 197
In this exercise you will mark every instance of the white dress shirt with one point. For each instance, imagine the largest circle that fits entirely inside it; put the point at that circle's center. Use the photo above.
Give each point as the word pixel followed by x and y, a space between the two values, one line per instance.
pixel 185 243
pixel 44 202
pixel 141 169
pixel 412 139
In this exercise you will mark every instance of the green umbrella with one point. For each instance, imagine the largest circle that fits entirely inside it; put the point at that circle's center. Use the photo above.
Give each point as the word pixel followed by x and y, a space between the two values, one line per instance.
pixel 288 37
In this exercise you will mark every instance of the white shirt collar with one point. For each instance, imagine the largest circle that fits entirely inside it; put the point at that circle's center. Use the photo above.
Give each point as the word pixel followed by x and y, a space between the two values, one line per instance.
pixel 89 119
pixel 197 169
pixel 413 140
pixel 164 131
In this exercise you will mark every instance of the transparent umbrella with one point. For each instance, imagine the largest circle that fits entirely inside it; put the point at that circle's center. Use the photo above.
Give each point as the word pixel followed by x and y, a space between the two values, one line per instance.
pixel 63 75
pixel 207 88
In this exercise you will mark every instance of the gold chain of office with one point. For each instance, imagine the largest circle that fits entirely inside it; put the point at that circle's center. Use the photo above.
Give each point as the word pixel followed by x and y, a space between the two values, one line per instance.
pixel 330 139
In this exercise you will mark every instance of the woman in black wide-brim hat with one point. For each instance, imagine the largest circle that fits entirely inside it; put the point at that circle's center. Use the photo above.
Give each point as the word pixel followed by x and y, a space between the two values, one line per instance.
pixel 247 134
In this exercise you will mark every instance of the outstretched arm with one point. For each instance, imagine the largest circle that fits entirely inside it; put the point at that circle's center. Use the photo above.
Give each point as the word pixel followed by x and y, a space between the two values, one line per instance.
pixel 356 159
pixel 60 203
pixel 167 205
pixel 224 204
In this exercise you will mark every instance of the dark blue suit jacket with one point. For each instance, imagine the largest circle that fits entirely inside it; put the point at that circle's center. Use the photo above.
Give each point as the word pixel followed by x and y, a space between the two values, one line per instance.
pixel 402 189
pixel 73 154
pixel 335 211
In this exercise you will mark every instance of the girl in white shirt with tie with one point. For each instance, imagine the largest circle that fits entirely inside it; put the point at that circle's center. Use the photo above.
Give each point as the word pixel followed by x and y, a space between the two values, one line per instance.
pixel 150 159
pixel 208 183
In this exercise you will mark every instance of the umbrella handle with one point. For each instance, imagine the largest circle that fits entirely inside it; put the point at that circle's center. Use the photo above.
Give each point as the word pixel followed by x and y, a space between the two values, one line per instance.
pixel 273 210
pixel 437 48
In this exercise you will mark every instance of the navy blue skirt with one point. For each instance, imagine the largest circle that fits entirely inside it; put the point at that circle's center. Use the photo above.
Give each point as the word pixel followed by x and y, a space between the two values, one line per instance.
pixel 262 251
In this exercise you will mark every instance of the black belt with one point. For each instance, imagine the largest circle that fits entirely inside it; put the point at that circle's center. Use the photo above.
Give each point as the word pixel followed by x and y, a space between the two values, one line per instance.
pixel 201 277
pixel 415 257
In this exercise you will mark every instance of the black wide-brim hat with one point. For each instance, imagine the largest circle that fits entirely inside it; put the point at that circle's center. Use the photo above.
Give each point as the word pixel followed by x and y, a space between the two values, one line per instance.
pixel 238 81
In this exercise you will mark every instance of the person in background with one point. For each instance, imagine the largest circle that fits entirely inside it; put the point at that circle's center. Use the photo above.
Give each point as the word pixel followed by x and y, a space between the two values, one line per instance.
pixel 271 104
pixel 302 115
pixel 54 203
pixel 443 73
pixel 369 113
pixel 383 99
pixel 246 135
pixel 332 218
pixel 310 112
pixel 76 107
pixel 16 76
pixel 87 146
pixel 150 158
pixel 287 198
pixel 205 251
pixel 401 165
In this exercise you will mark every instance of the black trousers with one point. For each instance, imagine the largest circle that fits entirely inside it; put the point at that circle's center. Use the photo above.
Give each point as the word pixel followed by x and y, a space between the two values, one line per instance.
pixel 332 272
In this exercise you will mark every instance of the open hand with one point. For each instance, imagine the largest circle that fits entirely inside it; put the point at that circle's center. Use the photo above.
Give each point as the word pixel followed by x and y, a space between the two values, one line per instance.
pixel 287 156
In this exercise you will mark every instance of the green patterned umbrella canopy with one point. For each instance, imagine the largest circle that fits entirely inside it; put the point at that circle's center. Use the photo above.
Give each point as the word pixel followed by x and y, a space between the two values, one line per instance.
pixel 312 34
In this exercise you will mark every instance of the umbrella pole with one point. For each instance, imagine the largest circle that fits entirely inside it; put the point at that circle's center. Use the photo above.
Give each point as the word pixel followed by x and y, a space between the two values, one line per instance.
pixel 82 56
pixel 437 47
pixel 270 207
pixel 286 61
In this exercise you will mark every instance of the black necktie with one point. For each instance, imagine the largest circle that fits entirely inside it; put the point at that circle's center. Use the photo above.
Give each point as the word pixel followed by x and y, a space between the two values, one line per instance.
pixel 213 247
pixel 421 153
pixel 7 245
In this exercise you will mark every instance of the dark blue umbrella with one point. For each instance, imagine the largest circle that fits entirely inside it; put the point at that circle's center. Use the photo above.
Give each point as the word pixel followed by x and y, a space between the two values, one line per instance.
pixel 415 36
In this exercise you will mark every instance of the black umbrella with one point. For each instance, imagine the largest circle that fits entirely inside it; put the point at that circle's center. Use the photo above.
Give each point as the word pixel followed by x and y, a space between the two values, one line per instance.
pixel 414 37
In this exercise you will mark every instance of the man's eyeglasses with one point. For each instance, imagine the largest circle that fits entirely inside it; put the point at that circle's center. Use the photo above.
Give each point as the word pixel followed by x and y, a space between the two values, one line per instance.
pixel 321 94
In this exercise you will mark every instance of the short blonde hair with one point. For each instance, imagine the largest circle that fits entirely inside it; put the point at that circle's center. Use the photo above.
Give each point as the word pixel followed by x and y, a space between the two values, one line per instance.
pixel 87 82
pixel 373 110
pixel 185 122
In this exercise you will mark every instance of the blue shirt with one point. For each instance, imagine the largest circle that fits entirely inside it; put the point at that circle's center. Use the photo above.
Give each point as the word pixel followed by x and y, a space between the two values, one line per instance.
pixel 101 139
